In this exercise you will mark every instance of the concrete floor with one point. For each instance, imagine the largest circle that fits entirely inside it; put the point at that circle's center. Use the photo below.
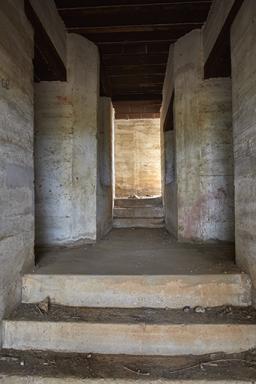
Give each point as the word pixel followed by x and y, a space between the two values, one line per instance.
pixel 138 252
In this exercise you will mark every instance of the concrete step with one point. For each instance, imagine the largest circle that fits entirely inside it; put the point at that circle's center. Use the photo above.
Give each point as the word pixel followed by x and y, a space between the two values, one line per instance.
pixel 139 212
pixel 131 331
pixel 22 367
pixel 132 203
pixel 153 291
pixel 124 222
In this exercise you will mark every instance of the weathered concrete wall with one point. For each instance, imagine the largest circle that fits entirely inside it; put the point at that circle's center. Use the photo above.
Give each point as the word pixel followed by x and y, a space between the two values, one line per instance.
pixel 198 196
pixel 188 73
pixel 216 198
pixel 137 157
pixel 16 152
pixel 217 16
pixel 105 167
pixel 243 43
pixel 66 149
pixel 53 24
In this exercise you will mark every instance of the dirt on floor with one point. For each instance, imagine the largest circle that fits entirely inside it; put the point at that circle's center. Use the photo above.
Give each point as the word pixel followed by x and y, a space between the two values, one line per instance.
pixel 216 366
pixel 46 311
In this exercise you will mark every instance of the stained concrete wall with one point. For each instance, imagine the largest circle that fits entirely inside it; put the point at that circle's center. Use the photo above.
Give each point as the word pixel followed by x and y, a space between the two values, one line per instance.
pixel 216 161
pixel 199 201
pixel 53 24
pixel 105 167
pixel 243 47
pixel 16 152
pixel 66 118
pixel 137 157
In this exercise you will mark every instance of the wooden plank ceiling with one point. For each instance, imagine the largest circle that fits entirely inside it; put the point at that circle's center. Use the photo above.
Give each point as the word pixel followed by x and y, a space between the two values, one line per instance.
pixel 133 37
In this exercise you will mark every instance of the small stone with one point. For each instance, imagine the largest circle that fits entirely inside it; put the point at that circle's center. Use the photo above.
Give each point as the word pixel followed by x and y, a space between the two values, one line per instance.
pixel 199 309
pixel 186 309
pixel 44 305
pixel 89 356
pixel 22 363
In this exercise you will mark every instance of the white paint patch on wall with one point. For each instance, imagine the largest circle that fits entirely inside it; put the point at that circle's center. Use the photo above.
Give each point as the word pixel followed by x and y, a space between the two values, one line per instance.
pixel 66 149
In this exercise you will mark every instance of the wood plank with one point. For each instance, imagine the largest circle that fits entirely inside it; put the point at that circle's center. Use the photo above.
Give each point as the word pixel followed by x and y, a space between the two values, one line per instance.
pixel 143 15
pixel 81 4
pixel 116 60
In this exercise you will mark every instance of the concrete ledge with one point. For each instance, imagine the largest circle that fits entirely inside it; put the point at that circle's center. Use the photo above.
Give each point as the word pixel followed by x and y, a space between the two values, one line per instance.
pixel 173 291
pixel 133 222
pixel 132 203
pixel 127 338
pixel 139 212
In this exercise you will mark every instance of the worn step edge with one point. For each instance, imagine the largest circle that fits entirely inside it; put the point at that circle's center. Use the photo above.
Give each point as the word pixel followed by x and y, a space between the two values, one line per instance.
pixel 130 339
pixel 174 291
pixel 131 203
pixel 139 212
pixel 122 222
pixel 6 379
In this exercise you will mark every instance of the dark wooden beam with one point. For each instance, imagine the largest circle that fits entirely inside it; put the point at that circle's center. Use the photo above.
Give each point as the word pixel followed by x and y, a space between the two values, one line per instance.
pixel 218 63
pixel 82 4
pixel 48 66
pixel 137 97
pixel 120 70
pixel 138 28
pixel 143 15
pixel 117 60
pixel 123 48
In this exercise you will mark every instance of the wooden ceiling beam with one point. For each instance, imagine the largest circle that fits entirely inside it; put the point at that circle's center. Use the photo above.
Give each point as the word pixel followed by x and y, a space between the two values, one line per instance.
pixel 120 70
pixel 116 60
pixel 84 4
pixel 137 97
pixel 169 14
pixel 124 48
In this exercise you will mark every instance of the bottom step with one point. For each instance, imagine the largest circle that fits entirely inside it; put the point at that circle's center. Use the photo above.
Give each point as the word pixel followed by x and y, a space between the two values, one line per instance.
pixel 17 367
pixel 154 222
pixel 135 331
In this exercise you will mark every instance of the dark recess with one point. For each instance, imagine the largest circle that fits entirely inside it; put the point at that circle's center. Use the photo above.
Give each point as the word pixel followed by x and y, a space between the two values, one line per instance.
pixel 169 119
pixel 218 63
pixel 48 65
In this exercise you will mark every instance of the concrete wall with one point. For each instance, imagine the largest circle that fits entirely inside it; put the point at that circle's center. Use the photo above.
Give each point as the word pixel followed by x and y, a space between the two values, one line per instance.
pixel 137 157
pixel 66 118
pixel 199 202
pixel 188 69
pixel 53 24
pixel 216 161
pixel 105 167
pixel 16 152
pixel 243 42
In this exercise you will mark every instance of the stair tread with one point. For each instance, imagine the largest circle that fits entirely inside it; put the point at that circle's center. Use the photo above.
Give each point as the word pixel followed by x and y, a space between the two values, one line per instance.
pixel 219 366
pixel 58 313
